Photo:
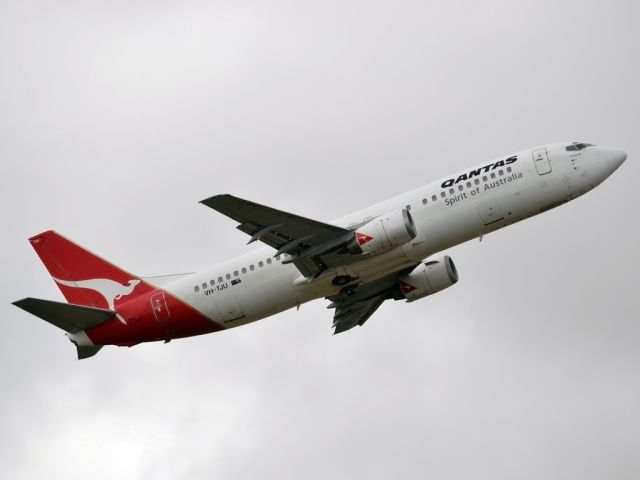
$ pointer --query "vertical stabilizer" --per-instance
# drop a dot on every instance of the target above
(83, 277)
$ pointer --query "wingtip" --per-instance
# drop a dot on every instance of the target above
(17, 303)
(213, 197)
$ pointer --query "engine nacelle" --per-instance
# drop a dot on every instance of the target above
(428, 278)
(383, 233)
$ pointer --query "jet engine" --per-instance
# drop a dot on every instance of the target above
(428, 278)
(383, 233)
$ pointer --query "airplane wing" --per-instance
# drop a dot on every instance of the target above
(313, 246)
(355, 313)
(354, 305)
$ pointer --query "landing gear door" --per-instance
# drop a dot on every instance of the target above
(541, 161)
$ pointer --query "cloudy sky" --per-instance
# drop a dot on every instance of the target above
(117, 117)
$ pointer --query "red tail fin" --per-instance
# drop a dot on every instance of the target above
(84, 278)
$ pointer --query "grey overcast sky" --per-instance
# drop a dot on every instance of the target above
(117, 117)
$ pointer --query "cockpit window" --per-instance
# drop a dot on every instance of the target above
(577, 146)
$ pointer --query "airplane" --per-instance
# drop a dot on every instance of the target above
(391, 250)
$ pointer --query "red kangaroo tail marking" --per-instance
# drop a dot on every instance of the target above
(83, 277)
(86, 279)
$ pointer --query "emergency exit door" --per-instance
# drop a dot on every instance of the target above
(541, 161)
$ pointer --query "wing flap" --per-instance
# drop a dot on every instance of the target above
(356, 313)
(355, 304)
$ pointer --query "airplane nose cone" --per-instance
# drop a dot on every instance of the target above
(615, 158)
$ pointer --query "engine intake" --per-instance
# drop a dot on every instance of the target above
(428, 278)
(383, 233)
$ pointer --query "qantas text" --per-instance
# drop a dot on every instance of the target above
(478, 171)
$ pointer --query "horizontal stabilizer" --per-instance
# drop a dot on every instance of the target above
(70, 318)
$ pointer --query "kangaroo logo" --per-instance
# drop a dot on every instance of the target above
(363, 238)
(109, 289)
(407, 288)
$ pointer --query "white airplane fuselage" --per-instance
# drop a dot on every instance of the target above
(357, 261)
(472, 205)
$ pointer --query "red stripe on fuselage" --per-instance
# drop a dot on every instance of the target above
(143, 325)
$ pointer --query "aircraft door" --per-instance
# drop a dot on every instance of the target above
(541, 161)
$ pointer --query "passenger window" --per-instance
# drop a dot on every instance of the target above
(261, 264)
(196, 288)
(424, 201)
(434, 198)
(277, 258)
(501, 172)
(468, 184)
(509, 169)
(244, 270)
(451, 191)
(493, 175)
(251, 267)
(220, 280)
(408, 207)
(484, 178)
(204, 285)
(228, 275)
(476, 181)
(212, 283)
(460, 187)
(236, 273)
(442, 194)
